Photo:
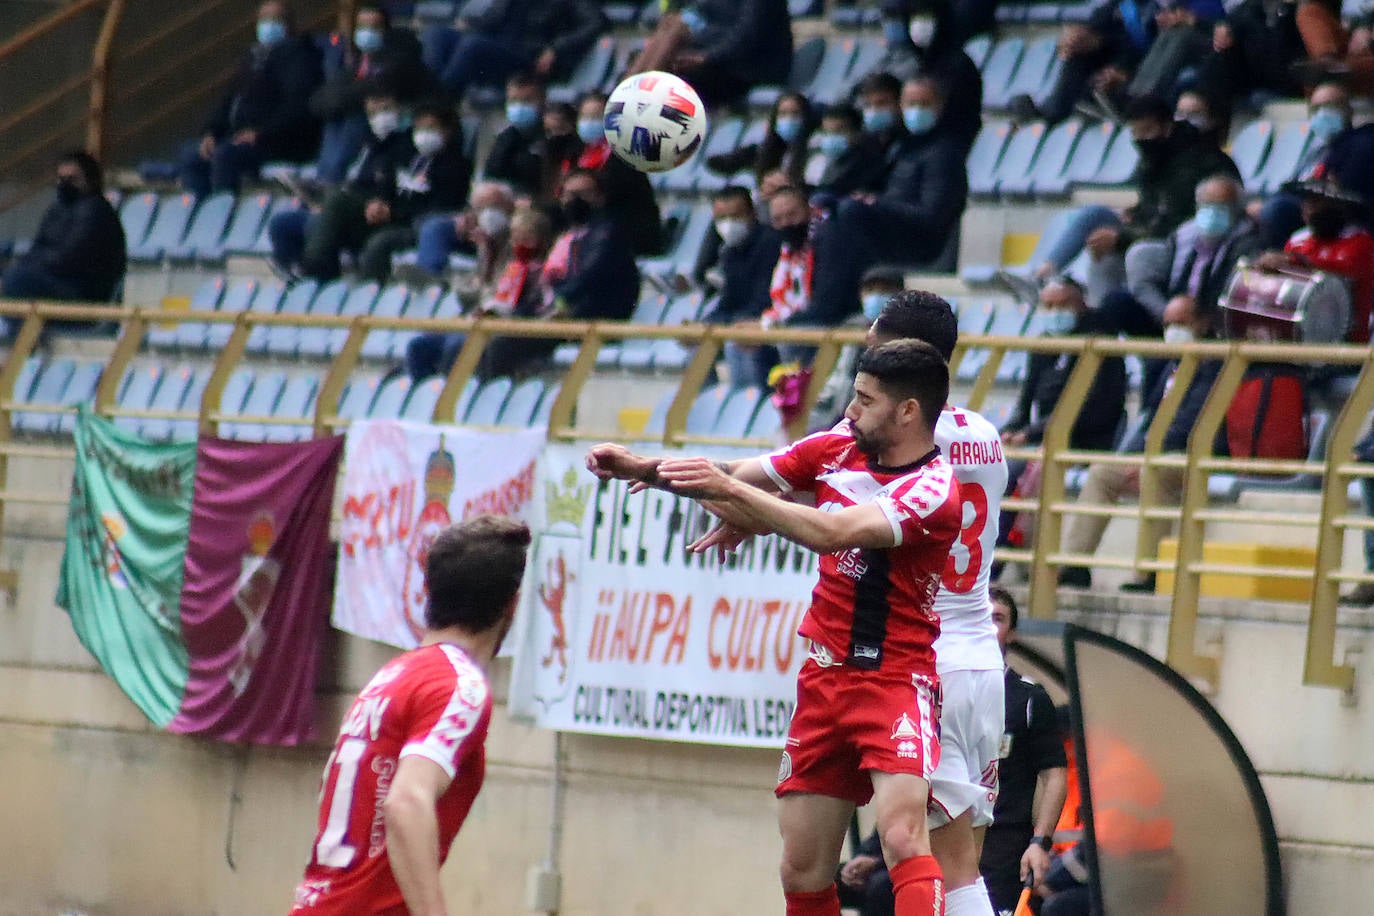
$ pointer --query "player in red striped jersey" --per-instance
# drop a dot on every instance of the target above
(867, 708)
(410, 757)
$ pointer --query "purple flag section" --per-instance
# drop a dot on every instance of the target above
(256, 595)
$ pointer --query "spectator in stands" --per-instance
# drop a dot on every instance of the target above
(851, 161)
(863, 882)
(1032, 777)
(492, 41)
(1333, 242)
(1209, 115)
(1099, 55)
(1109, 484)
(723, 48)
(1182, 45)
(748, 254)
(1253, 50)
(312, 243)
(516, 155)
(629, 196)
(1362, 595)
(923, 39)
(809, 287)
(880, 101)
(913, 221)
(783, 148)
(560, 148)
(483, 230)
(1338, 151)
(377, 55)
(1334, 52)
(79, 253)
(264, 116)
(1065, 312)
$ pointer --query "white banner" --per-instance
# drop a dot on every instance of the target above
(403, 483)
(622, 632)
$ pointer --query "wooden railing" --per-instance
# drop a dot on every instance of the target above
(1051, 506)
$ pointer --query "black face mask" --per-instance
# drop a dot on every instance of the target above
(67, 191)
(1153, 149)
(1327, 222)
(794, 236)
(578, 211)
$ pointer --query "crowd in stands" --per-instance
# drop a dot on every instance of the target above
(813, 217)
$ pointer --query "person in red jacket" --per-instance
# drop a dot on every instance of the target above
(1332, 241)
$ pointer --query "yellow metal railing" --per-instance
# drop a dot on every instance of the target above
(1051, 507)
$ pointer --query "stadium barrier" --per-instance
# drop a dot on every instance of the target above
(1332, 472)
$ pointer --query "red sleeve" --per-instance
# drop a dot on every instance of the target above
(444, 713)
(796, 467)
(925, 508)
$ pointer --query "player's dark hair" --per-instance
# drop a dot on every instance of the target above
(473, 571)
(1001, 596)
(882, 84)
(918, 314)
(910, 369)
(734, 192)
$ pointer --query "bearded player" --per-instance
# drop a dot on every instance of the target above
(866, 719)
(411, 753)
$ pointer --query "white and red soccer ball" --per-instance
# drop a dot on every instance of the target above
(655, 121)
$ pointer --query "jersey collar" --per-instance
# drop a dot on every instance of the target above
(919, 463)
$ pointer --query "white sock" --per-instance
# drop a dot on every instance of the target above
(969, 900)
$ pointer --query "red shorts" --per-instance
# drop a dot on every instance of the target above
(848, 722)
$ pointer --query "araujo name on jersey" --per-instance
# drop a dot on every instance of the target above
(986, 452)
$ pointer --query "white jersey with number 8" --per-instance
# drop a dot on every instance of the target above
(968, 639)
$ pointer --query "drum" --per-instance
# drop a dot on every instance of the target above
(1293, 305)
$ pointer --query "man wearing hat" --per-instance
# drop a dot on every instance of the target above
(1332, 241)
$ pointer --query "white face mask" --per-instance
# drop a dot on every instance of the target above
(922, 31)
(428, 142)
(384, 123)
(493, 221)
(1058, 322)
(731, 231)
(1179, 334)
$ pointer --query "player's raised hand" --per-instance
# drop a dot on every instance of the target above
(723, 536)
(612, 461)
(699, 478)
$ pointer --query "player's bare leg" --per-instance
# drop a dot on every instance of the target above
(813, 829)
(900, 802)
(958, 846)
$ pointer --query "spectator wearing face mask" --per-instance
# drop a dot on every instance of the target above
(923, 39)
(630, 199)
(264, 116)
(784, 145)
(483, 230)
(1111, 484)
(880, 106)
(1253, 50)
(850, 162)
(807, 287)
(78, 254)
(590, 273)
(1209, 115)
(723, 48)
(1331, 241)
(1339, 152)
(310, 244)
(375, 55)
(747, 254)
(516, 155)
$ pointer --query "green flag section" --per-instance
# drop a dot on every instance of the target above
(121, 576)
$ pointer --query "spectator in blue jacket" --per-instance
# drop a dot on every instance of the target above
(748, 253)
(723, 48)
(492, 40)
(264, 116)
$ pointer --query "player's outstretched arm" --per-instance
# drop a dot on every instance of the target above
(744, 506)
(412, 833)
(613, 461)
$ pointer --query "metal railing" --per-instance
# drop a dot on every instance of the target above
(1051, 507)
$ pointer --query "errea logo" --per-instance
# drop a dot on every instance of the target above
(908, 749)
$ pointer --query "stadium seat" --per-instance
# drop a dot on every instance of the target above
(737, 413)
(828, 80)
(261, 402)
(429, 303)
(391, 398)
(977, 48)
(681, 257)
(357, 397)
(1249, 150)
(487, 404)
(1011, 319)
(171, 394)
(80, 390)
(638, 353)
(1289, 146)
(701, 419)
(168, 228)
(807, 59)
(235, 393)
(724, 138)
(540, 418)
(331, 300)
(670, 355)
(521, 405)
(189, 427)
(1088, 153)
(239, 296)
(1118, 165)
(767, 422)
(244, 228)
(205, 299)
(1048, 176)
(1019, 158)
(1038, 70)
(985, 155)
(136, 216)
(262, 244)
(297, 401)
(282, 340)
(658, 417)
(868, 54)
(46, 389)
(205, 236)
(423, 396)
(24, 383)
(137, 391)
(589, 73)
(1000, 70)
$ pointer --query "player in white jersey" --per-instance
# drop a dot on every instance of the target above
(967, 656)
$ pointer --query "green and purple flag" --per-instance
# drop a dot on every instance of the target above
(198, 573)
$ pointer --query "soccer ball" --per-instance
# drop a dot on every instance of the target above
(655, 121)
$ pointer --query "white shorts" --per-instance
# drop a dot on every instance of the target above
(972, 720)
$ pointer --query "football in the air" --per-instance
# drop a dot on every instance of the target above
(655, 121)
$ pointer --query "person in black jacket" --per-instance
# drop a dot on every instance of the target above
(630, 198)
(783, 148)
(264, 116)
(924, 40)
(78, 254)
(312, 243)
(863, 883)
(516, 156)
(1253, 49)
(723, 48)
(853, 160)
(492, 40)
(748, 253)
(377, 55)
